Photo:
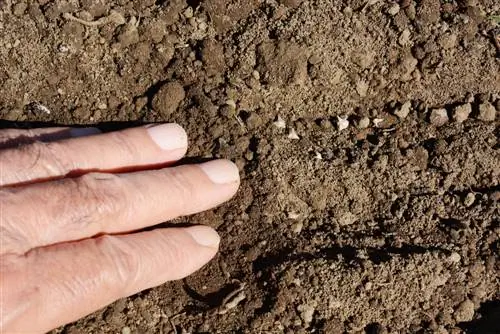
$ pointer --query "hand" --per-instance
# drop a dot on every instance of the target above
(67, 246)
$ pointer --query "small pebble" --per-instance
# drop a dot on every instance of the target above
(342, 123)
(297, 227)
(306, 313)
(362, 88)
(439, 117)
(256, 75)
(454, 257)
(487, 112)
(464, 311)
(116, 17)
(202, 26)
(404, 38)
(394, 9)
(188, 13)
(126, 330)
(280, 123)
(293, 134)
(404, 110)
(469, 199)
(461, 113)
(231, 104)
(364, 123)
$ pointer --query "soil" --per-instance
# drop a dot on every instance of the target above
(366, 132)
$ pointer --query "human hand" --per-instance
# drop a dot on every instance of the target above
(67, 218)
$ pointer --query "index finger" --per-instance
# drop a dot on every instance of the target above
(115, 151)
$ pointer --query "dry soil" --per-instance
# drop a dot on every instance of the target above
(366, 132)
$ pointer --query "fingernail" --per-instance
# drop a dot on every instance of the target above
(83, 132)
(221, 171)
(168, 136)
(204, 235)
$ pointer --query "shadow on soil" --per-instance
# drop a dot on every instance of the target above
(488, 323)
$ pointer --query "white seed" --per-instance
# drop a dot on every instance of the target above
(280, 123)
(293, 134)
(342, 122)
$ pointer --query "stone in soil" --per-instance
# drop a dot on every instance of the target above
(364, 123)
(465, 311)
(404, 110)
(439, 117)
(487, 112)
(461, 113)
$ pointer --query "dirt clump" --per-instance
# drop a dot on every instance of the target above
(167, 99)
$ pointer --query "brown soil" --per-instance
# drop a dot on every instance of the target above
(390, 225)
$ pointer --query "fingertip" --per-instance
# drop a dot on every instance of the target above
(204, 236)
(221, 171)
(169, 137)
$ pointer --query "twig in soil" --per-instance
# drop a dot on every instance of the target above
(172, 318)
(496, 41)
(232, 299)
(240, 122)
(113, 16)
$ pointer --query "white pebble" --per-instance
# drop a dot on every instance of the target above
(364, 123)
(454, 257)
(404, 110)
(297, 227)
(394, 9)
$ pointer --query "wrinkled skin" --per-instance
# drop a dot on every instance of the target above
(71, 203)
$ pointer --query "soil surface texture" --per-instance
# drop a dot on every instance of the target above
(366, 132)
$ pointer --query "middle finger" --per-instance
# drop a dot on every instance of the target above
(73, 209)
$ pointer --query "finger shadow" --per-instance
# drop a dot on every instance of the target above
(103, 126)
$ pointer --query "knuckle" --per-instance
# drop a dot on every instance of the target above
(122, 142)
(37, 159)
(124, 259)
(177, 255)
(101, 197)
(183, 188)
(12, 236)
